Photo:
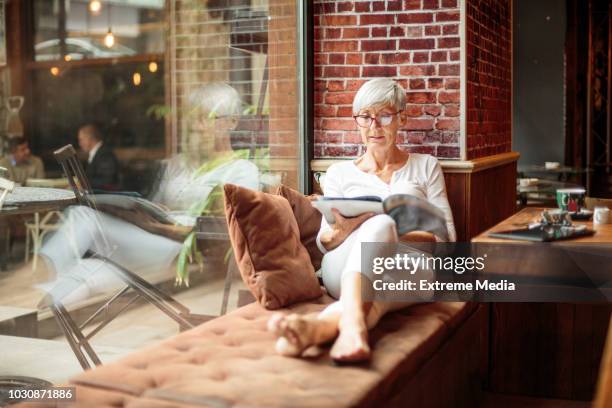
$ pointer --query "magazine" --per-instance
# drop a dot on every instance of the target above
(410, 213)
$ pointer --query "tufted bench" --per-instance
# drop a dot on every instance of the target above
(427, 355)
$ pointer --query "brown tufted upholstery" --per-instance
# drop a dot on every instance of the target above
(230, 361)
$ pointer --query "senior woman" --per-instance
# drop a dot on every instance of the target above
(378, 110)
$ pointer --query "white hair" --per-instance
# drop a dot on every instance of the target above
(216, 98)
(380, 92)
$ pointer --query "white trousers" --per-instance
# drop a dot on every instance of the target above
(126, 244)
(346, 259)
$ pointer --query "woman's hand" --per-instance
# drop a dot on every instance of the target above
(341, 229)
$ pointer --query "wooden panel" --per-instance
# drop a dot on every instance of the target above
(492, 197)
(457, 191)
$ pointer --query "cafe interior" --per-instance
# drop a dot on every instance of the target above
(159, 164)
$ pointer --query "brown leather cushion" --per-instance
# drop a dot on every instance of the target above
(266, 241)
(308, 220)
(230, 361)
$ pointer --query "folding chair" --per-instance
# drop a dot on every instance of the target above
(135, 285)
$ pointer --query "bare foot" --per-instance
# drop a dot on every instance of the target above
(351, 345)
(296, 332)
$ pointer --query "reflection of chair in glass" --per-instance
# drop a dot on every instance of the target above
(135, 285)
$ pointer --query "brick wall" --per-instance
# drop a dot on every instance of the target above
(489, 81)
(414, 41)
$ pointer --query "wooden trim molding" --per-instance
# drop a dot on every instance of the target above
(448, 166)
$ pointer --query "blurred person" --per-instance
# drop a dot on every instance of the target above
(102, 167)
(184, 190)
(21, 163)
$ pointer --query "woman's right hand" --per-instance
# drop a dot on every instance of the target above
(341, 229)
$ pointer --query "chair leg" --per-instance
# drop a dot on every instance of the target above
(75, 337)
(27, 245)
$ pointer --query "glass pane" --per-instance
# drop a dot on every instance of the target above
(197, 94)
(76, 30)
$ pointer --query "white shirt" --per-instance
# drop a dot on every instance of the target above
(92, 152)
(181, 186)
(422, 172)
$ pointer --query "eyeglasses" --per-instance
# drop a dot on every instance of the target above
(365, 121)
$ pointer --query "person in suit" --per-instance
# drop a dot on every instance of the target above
(21, 164)
(102, 167)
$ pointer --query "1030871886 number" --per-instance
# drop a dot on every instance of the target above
(52, 394)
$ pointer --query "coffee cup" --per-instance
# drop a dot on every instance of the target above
(571, 199)
(601, 215)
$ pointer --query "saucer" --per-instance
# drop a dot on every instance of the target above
(582, 215)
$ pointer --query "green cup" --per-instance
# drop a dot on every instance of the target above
(571, 199)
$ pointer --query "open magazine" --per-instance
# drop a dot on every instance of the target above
(410, 213)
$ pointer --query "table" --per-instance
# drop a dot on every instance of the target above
(30, 200)
(547, 350)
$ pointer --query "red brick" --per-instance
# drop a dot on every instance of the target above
(324, 110)
(362, 6)
(414, 110)
(422, 149)
(451, 110)
(397, 58)
(439, 56)
(414, 137)
(421, 97)
(378, 6)
(334, 86)
(419, 124)
(449, 42)
(353, 59)
(414, 18)
(449, 3)
(452, 83)
(417, 83)
(454, 55)
(379, 32)
(378, 45)
(448, 97)
(417, 44)
(337, 124)
(420, 57)
(336, 59)
(355, 33)
(417, 70)
(324, 8)
(352, 137)
(447, 124)
(338, 20)
(339, 98)
(340, 151)
(451, 29)
(340, 72)
(412, 4)
(344, 6)
(435, 83)
(332, 33)
(446, 69)
(432, 110)
(394, 5)
(379, 71)
(431, 4)
(396, 31)
(447, 16)
(346, 46)
(368, 19)
(433, 30)
(414, 31)
(371, 58)
(448, 152)
(354, 84)
(320, 59)
(345, 111)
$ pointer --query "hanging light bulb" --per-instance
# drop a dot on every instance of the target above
(136, 78)
(95, 6)
(109, 38)
(54, 71)
(153, 66)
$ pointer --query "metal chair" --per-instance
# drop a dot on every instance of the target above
(136, 286)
